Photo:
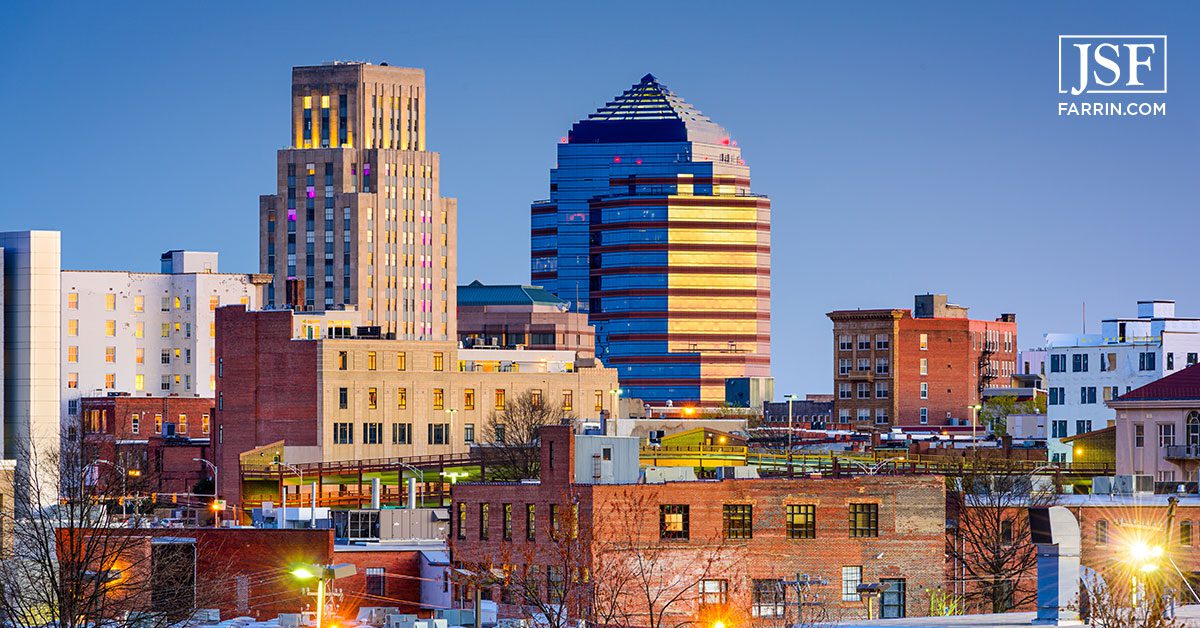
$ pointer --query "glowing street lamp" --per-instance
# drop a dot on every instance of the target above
(321, 573)
(1143, 559)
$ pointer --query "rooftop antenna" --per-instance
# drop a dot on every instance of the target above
(1085, 318)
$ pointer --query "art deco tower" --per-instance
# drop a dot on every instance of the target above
(652, 229)
(357, 218)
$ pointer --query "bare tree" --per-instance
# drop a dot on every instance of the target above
(988, 538)
(652, 579)
(510, 436)
(1110, 605)
(74, 562)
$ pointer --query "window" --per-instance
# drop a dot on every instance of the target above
(924, 416)
(376, 581)
(139, 355)
(1185, 533)
(438, 360)
(881, 390)
(844, 366)
(864, 520)
(1079, 363)
(1006, 533)
(110, 380)
(864, 364)
(535, 396)
(372, 433)
(72, 300)
(139, 330)
(881, 416)
(1083, 426)
(139, 382)
(801, 521)
(1058, 396)
(714, 592)
(135, 423)
(568, 400)
(1102, 532)
(1087, 394)
(1058, 429)
(110, 302)
(343, 433)
(882, 366)
(499, 405)
(768, 600)
(461, 521)
(1058, 363)
(1146, 361)
(72, 380)
(924, 342)
(401, 398)
(343, 360)
(530, 522)
(343, 398)
(844, 391)
(372, 398)
(73, 327)
(469, 399)
(483, 521)
(673, 521)
(371, 361)
(851, 578)
(72, 354)
(507, 521)
(1170, 361)
(1111, 392)
(110, 329)
(401, 361)
(738, 521)
(864, 390)
(439, 433)
(844, 343)
(864, 342)
(599, 401)
(469, 433)
(924, 366)
(158, 424)
(439, 399)
(1139, 435)
(166, 330)
(924, 390)
(882, 342)
(183, 424)
(401, 433)
(1191, 358)
(1166, 434)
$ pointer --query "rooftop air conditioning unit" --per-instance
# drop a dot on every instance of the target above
(1102, 485)
(1130, 484)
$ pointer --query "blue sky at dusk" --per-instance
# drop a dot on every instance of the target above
(906, 147)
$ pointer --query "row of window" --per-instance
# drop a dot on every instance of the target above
(882, 390)
(167, 382)
(737, 521)
(438, 398)
(1080, 362)
(96, 422)
(846, 342)
(402, 433)
(139, 302)
(1183, 538)
(1087, 394)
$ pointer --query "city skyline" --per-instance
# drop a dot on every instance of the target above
(861, 144)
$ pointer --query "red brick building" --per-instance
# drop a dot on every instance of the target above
(156, 439)
(246, 571)
(728, 546)
(925, 366)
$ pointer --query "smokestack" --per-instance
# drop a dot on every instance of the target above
(412, 493)
(375, 488)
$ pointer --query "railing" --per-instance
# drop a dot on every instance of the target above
(437, 461)
(1182, 452)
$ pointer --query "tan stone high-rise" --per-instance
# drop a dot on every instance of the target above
(357, 219)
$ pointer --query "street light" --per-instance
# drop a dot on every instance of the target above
(216, 513)
(975, 424)
(790, 399)
(125, 473)
(323, 573)
(1143, 558)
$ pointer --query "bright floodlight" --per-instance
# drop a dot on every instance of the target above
(303, 573)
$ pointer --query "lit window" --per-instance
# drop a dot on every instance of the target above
(73, 327)
(139, 303)
(72, 354)
(110, 302)
(673, 521)
(924, 342)
(72, 300)
(110, 329)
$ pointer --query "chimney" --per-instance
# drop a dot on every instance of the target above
(557, 454)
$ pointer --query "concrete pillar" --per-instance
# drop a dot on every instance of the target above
(412, 493)
(376, 487)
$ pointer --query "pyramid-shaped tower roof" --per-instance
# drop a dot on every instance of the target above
(647, 112)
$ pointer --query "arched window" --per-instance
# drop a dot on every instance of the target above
(1193, 429)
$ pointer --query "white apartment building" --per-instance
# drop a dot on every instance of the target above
(1083, 372)
(146, 334)
(29, 401)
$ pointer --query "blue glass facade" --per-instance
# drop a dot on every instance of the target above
(607, 242)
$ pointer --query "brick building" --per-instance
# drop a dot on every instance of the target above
(154, 439)
(343, 394)
(728, 545)
(925, 366)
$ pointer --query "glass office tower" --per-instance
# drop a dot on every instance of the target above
(652, 230)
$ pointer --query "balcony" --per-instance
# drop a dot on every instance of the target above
(1182, 452)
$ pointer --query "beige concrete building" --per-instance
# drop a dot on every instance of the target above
(331, 391)
(357, 217)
